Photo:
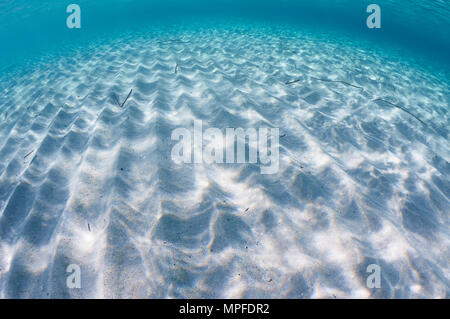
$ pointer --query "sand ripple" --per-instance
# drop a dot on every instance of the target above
(360, 181)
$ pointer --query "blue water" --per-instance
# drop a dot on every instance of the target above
(364, 165)
(416, 28)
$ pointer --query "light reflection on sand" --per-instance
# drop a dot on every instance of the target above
(359, 182)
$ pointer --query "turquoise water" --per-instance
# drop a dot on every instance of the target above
(412, 28)
(363, 174)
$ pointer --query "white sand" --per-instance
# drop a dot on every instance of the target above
(360, 182)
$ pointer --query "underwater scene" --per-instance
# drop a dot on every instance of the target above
(225, 149)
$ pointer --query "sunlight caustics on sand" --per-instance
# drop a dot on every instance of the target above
(86, 180)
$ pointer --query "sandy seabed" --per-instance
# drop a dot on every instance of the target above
(361, 181)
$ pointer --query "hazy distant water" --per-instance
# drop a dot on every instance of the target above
(418, 28)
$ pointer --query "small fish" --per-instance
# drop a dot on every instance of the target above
(28, 154)
(401, 108)
(337, 81)
(292, 82)
(129, 94)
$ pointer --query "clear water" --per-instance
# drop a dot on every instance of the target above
(419, 27)
(364, 153)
